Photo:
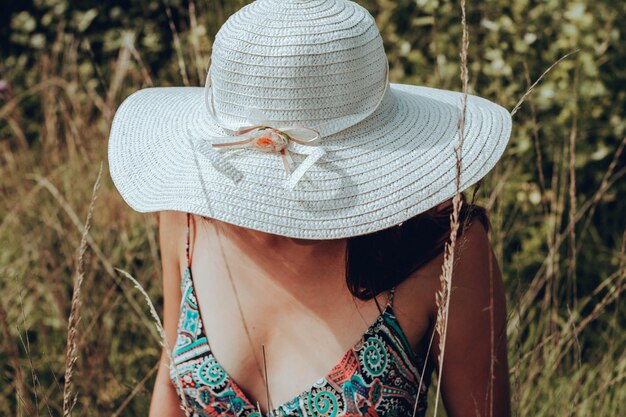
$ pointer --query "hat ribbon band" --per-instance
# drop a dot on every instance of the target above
(266, 139)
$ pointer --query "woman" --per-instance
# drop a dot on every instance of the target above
(304, 206)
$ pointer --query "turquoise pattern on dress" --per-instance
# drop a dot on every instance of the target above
(378, 377)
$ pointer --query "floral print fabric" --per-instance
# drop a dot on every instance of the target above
(379, 376)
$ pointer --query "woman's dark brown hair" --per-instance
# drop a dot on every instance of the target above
(378, 261)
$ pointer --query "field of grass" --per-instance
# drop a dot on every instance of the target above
(557, 199)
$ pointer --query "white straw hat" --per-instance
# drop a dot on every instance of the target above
(298, 131)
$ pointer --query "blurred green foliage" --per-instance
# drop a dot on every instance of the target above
(66, 65)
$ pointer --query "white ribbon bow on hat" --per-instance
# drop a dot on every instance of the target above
(283, 141)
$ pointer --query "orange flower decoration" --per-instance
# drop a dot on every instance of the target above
(270, 140)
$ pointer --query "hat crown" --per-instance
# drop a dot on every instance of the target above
(320, 64)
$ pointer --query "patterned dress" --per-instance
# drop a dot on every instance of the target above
(379, 376)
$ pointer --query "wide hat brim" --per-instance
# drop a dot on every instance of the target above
(397, 163)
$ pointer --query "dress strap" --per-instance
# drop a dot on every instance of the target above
(392, 292)
(187, 251)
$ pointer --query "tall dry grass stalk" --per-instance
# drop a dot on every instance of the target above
(69, 400)
(442, 296)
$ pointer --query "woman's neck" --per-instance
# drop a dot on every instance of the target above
(283, 260)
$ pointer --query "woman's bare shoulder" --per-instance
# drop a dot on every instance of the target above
(172, 235)
(474, 266)
(172, 219)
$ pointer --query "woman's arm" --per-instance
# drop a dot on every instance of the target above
(172, 225)
(475, 377)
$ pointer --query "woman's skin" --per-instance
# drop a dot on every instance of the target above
(296, 303)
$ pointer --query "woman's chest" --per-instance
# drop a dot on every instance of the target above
(292, 342)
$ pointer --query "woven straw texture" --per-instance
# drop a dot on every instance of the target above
(320, 64)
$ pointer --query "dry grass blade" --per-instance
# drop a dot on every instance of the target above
(535, 130)
(601, 192)
(135, 391)
(14, 362)
(532, 87)
(145, 71)
(177, 45)
(442, 296)
(422, 373)
(74, 319)
(121, 68)
(199, 60)
(267, 382)
(33, 371)
(571, 270)
(159, 326)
